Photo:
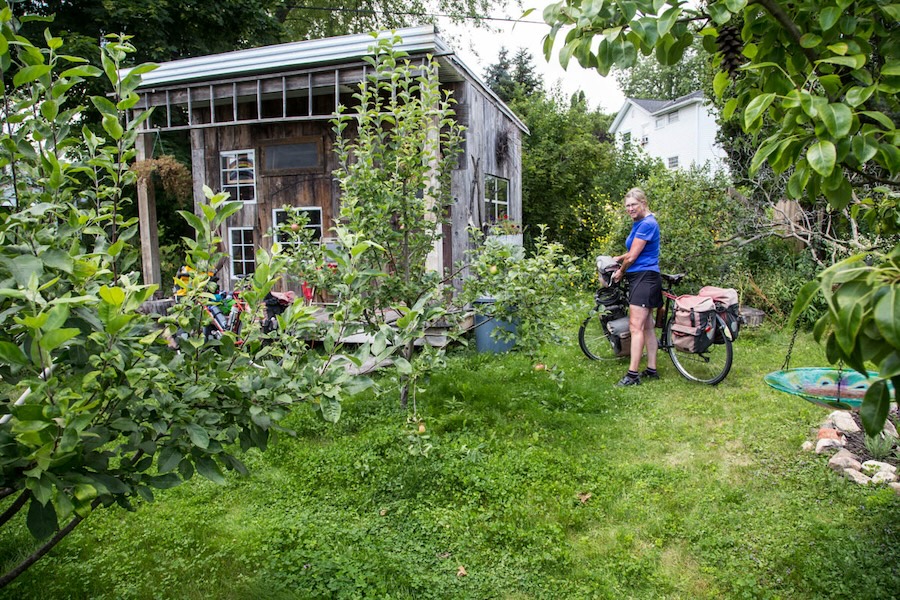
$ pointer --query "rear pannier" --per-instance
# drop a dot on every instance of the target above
(694, 324)
(728, 307)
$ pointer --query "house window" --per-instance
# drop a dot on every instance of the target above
(673, 117)
(626, 137)
(496, 198)
(242, 251)
(660, 122)
(239, 175)
(672, 162)
(300, 155)
(314, 222)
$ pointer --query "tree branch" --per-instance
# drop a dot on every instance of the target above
(15, 507)
(785, 21)
(40, 552)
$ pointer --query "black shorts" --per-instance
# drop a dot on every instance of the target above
(644, 289)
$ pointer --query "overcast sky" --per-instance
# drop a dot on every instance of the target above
(479, 48)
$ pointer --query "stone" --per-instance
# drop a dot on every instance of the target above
(895, 486)
(828, 434)
(856, 477)
(844, 460)
(883, 477)
(843, 421)
(889, 428)
(823, 446)
(808, 446)
(874, 466)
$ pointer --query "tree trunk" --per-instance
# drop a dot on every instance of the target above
(15, 507)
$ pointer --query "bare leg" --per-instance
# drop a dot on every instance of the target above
(638, 316)
(650, 341)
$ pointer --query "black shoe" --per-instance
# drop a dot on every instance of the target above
(628, 381)
(645, 374)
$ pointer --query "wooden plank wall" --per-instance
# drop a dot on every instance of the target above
(309, 188)
(485, 125)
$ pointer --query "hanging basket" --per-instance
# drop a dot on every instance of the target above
(836, 389)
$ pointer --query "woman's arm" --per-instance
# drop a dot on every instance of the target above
(627, 259)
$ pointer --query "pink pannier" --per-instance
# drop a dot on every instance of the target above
(694, 325)
(728, 307)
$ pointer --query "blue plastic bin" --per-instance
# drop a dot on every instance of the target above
(485, 325)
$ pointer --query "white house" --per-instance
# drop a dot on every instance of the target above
(680, 132)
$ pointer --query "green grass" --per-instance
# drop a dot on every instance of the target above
(695, 492)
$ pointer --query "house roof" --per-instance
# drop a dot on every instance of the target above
(654, 107)
(311, 53)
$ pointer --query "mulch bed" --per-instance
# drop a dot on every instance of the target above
(856, 442)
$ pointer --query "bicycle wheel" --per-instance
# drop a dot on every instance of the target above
(595, 341)
(710, 366)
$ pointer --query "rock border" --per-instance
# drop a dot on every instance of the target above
(831, 438)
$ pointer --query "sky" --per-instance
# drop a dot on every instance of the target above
(479, 48)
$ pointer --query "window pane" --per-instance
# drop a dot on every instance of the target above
(292, 156)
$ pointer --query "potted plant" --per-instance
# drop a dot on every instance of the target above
(506, 231)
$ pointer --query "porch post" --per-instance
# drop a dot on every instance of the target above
(147, 217)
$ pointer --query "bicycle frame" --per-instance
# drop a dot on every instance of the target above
(599, 339)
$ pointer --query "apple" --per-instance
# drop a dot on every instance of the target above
(540, 367)
(492, 269)
(295, 227)
(421, 427)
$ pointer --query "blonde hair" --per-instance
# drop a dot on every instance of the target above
(638, 194)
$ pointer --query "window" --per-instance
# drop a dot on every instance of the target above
(314, 222)
(673, 117)
(239, 175)
(672, 162)
(660, 122)
(496, 198)
(242, 251)
(300, 155)
(626, 137)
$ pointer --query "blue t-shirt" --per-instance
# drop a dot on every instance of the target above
(646, 229)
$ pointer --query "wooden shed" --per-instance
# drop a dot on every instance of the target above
(259, 123)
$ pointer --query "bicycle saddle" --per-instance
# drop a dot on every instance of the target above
(673, 279)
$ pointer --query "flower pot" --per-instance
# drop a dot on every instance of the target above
(512, 239)
(484, 327)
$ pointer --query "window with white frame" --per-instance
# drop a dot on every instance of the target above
(672, 162)
(238, 170)
(626, 137)
(242, 251)
(496, 198)
(660, 122)
(313, 216)
(673, 117)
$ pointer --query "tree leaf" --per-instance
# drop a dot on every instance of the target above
(804, 299)
(199, 436)
(821, 157)
(875, 407)
(887, 316)
(837, 119)
(54, 339)
(207, 467)
(12, 354)
(828, 17)
(29, 74)
(41, 520)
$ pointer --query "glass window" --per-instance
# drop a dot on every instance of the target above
(496, 198)
(239, 175)
(672, 162)
(242, 251)
(626, 137)
(660, 122)
(314, 221)
(673, 117)
(299, 156)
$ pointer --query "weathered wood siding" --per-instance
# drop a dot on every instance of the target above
(493, 146)
(308, 188)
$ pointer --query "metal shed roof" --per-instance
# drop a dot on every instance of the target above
(311, 53)
(289, 55)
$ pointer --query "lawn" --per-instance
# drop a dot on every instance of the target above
(518, 488)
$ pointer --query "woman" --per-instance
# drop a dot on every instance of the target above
(640, 265)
